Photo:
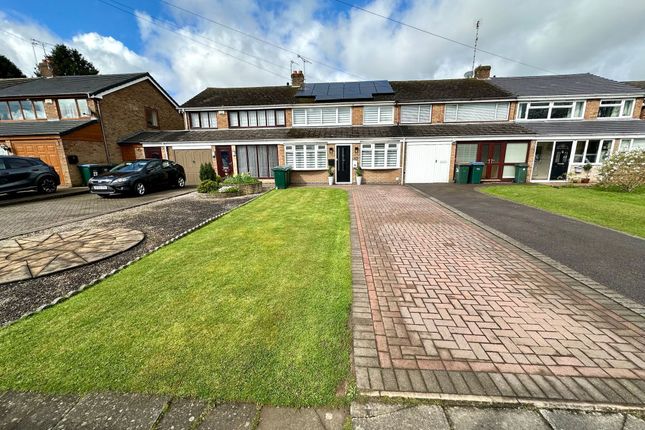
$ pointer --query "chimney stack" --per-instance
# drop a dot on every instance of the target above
(45, 69)
(482, 72)
(297, 78)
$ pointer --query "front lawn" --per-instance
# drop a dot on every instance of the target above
(617, 210)
(253, 307)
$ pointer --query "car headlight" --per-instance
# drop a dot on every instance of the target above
(120, 180)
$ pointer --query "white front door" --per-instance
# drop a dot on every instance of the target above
(427, 162)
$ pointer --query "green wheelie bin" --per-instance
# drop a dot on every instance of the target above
(282, 176)
(476, 169)
(461, 173)
(88, 171)
(520, 173)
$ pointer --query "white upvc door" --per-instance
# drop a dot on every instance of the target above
(427, 162)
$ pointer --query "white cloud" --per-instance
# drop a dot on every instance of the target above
(565, 37)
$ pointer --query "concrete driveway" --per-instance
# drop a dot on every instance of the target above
(606, 256)
(39, 215)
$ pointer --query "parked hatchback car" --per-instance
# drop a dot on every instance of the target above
(27, 173)
(138, 177)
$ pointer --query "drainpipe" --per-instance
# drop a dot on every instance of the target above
(403, 149)
(105, 145)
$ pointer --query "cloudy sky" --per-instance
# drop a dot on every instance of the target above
(192, 44)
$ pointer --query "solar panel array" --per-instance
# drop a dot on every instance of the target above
(364, 90)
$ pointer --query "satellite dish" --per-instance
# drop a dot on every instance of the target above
(468, 74)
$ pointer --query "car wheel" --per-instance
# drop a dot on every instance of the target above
(181, 182)
(139, 189)
(47, 185)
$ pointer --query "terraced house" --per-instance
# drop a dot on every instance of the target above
(406, 131)
(69, 120)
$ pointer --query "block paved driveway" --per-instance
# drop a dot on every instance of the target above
(34, 216)
(442, 306)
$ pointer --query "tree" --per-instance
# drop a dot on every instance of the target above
(8, 69)
(66, 61)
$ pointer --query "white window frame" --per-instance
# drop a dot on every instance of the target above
(396, 146)
(497, 104)
(290, 152)
(307, 110)
(550, 107)
(597, 161)
(620, 103)
(211, 116)
(379, 108)
(630, 143)
(418, 108)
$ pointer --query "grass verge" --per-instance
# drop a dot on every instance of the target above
(253, 307)
(618, 210)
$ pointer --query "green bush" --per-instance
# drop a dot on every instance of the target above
(241, 179)
(208, 186)
(207, 173)
(623, 171)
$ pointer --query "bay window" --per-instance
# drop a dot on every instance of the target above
(474, 112)
(306, 157)
(616, 108)
(592, 151)
(551, 110)
(416, 114)
(378, 115)
(380, 155)
(316, 116)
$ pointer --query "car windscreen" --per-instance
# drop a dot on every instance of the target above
(131, 166)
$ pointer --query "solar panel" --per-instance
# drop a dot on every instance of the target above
(345, 90)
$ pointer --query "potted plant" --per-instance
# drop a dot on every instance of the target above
(359, 175)
(587, 168)
(330, 175)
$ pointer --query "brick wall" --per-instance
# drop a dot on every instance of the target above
(512, 108)
(309, 176)
(438, 113)
(123, 113)
(530, 159)
(288, 117)
(51, 110)
(453, 158)
(591, 111)
(383, 176)
(357, 115)
(87, 152)
(638, 109)
(222, 120)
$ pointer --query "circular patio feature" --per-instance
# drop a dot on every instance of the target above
(40, 255)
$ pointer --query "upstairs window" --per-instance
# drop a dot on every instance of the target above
(152, 118)
(73, 108)
(317, 116)
(551, 110)
(616, 108)
(380, 155)
(22, 110)
(475, 112)
(306, 157)
(257, 118)
(416, 114)
(378, 115)
(203, 120)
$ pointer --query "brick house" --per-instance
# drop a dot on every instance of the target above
(69, 120)
(406, 131)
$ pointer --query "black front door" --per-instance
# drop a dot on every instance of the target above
(560, 165)
(343, 164)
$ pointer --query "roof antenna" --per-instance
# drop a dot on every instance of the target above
(304, 64)
(291, 65)
(475, 46)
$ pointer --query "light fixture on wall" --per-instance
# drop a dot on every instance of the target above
(356, 149)
(331, 150)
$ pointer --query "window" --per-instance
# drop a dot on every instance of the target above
(551, 110)
(22, 109)
(306, 157)
(378, 115)
(73, 108)
(380, 155)
(203, 119)
(592, 151)
(152, 118)
(416, 114)
(341, 115)
(257, 118)
(632, 144)
(466, 153)
(515, 153)
(257, 160)
(463, 112)
(616, 108)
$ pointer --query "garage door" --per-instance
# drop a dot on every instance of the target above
(190, 160)
(46, 151)
(427, 162)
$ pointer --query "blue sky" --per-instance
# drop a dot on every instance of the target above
(564, 37)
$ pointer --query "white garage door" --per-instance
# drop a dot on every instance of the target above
(427, 162)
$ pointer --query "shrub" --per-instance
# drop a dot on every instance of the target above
(624, 171)
(241, 179)
(359, 171)
(229, 189)
(207, 173)
(208, 186)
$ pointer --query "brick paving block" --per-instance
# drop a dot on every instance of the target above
(431, 382)
(549, 391)
(516, 385)
(375, 378)
(445, 382)
(561, 388)
(459, 383)
(362, 378)
(590, 389)
(389, 380)
(488, 385)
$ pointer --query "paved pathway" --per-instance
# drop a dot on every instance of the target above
(442, 307)
(611, 258)
(33, 256)
(35, 216)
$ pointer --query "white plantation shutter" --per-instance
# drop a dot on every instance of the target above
(344, 115)
(253, 119)
(244, 119)
(289, 156)
(379, 155)
(314, 116)
(300, 157)
(262, 118)
(329, 115)
(425, 113)
(473, 112)
(370, 115)
(367, 160)
(386, 114)
(392, 156)
(451, 113)
(280, 117)
(501, 114)
(299, 117)
(321, 157)
(416, 114)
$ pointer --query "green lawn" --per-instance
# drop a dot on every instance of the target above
(253, 307)
(617, 210)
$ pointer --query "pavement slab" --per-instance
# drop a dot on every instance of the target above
(230, 416)
(465, 418)
(567, 420)
(183, 414)
(634, 423)
(374, 416)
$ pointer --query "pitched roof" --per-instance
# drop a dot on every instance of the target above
(563, 85)
(607, 128)
(282, 133)
(68, 85)
(10, 82)
(42, 128)
(247, 96)
(637, 84)
(446, 90)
